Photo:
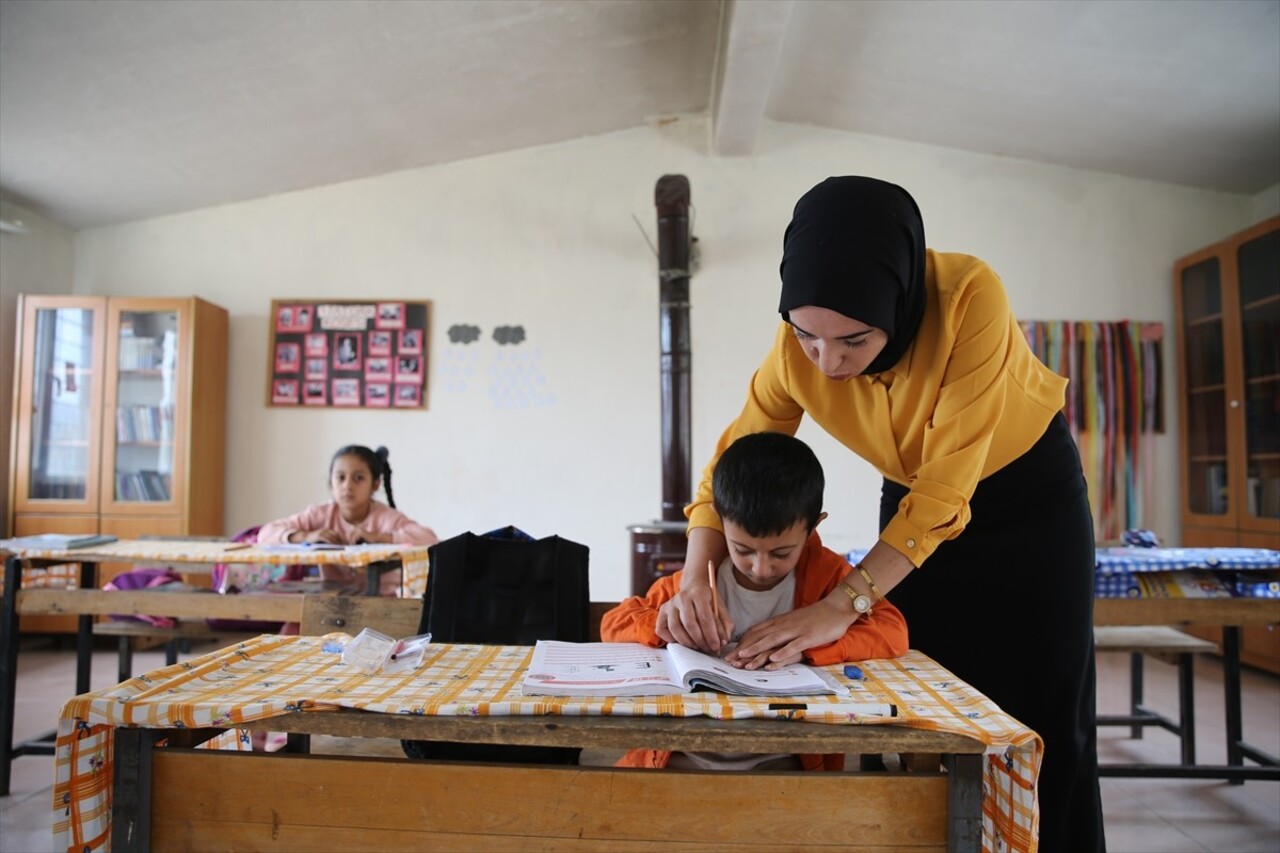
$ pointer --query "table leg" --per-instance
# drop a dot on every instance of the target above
(124, 657)
(373, 575)
(1135, 691)
(964, 802)
(8, 666)
(1231, 687)
(131, 789)
(84, 632)
(1186, 707)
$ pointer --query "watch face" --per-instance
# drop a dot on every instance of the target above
(862, 604)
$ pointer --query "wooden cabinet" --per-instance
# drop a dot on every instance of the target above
(119, 418)
(1227, 298)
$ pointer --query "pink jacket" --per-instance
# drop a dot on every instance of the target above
(327, 516)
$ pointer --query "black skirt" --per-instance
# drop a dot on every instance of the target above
(1008, 606)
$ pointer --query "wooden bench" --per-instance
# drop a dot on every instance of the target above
(1173, 647)
(395, 617)
(131, 633)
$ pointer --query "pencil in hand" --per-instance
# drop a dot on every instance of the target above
(715, 601)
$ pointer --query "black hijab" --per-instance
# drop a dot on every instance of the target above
(856, 246)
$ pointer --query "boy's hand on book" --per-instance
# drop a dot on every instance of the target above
(782, 640)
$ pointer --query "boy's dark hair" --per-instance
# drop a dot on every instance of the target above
(766, 482)
(379, 467)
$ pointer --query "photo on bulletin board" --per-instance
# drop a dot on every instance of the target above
(348, 353)
(315, 395)
(408, 395)
(287, 358)
(346, 392)
(285, 392)
(380, 343)
(317, 344)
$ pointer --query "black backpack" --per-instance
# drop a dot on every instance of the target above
(503, 588)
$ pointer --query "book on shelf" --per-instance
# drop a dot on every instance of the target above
(154, 485)
(1269, 497)
(59, 541)
(633, 669)
(1216, 488)
(1196, 583)
(144, 485)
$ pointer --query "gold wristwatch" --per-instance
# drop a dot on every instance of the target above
(861, 603)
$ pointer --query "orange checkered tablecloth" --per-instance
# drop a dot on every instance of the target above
(175, 551)
(180, 551)
(272, 675)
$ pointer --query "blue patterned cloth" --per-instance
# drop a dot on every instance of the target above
(1118, 568)
(1112, 560)
(1119, 585)
(1253, 586)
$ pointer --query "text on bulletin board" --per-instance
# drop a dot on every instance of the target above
(348, 354)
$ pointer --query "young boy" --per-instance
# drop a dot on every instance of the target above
(767, 490)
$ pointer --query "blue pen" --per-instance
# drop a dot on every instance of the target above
(854, 672)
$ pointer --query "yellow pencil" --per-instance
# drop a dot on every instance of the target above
(715, 602)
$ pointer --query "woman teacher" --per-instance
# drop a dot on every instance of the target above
(912, 359)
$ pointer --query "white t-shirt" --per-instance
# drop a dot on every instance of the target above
(746, 607)
(749, 607)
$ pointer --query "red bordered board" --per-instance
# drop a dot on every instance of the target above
(348, 354)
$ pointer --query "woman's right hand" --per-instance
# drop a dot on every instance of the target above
(688, 617)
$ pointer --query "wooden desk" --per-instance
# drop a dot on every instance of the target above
(88, 602)
(188, 799)
(184, 798)
(1231, 614)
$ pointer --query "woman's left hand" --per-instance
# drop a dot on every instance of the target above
(366, 537)
(782, 640)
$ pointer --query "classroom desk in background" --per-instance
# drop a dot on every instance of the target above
(192, 556)
(1231, 588)
(113, 784)
(1231, 614)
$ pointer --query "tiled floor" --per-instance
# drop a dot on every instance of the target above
(1142, 815)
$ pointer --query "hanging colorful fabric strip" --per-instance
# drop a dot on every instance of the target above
(1112, 404)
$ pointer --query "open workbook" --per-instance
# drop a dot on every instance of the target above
(634, 669)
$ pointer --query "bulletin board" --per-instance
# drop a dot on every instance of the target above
(348, 354)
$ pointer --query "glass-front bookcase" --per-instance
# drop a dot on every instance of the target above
(59, 392)
(144, 353)
(119, 420)
(1228, 309)
(1208, 485)
(1258, 263)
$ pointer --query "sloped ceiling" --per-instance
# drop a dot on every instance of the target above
(117, 111)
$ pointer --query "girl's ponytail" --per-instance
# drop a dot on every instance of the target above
(382, 453)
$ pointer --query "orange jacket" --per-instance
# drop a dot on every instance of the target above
(883, 634)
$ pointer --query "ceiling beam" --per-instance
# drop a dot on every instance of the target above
(751, 36)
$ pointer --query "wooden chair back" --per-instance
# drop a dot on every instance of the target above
(395, 617)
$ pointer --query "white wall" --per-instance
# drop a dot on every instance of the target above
(544, 238)
(38, 261)
(1266, 204)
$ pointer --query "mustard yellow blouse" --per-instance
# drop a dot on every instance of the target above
(965, 400)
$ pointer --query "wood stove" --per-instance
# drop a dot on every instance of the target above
(658, 547)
